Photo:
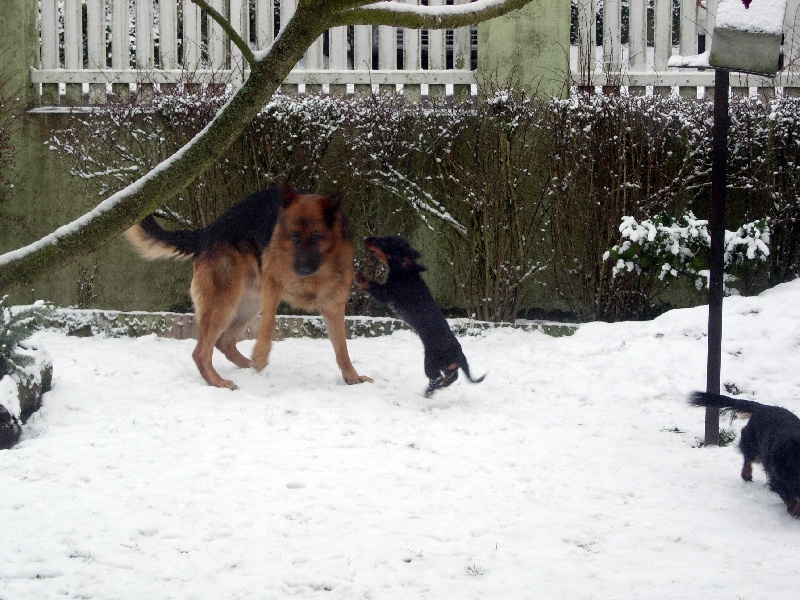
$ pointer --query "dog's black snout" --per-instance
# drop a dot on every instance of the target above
(307, 266)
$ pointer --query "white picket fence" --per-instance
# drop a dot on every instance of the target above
(125, 43)
(117, 46)
(641, 63)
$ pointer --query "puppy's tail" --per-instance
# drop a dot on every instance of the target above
(723, 402)
(465, 367)
(152, 241)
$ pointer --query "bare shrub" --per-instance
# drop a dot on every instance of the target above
(518, 195)
(616, 156)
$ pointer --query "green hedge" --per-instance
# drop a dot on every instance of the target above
(513, 200)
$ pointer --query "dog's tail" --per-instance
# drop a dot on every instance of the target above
(152, 241)
(723, 402)
(465, 367)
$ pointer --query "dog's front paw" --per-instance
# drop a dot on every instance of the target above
(355, 379)
(259, 362)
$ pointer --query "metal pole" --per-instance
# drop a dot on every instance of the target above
(719, 160)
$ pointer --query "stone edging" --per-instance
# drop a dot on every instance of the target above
(84, 323)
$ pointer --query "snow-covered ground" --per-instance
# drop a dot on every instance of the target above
(570, 472)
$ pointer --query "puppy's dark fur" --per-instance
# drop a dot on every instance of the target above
(771, 437)
(273, 245)
(410, 299)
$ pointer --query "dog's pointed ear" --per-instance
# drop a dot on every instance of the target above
(287, 193)
(332, 203)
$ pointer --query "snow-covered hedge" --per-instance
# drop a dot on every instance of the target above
(521, 197)
(674, 247)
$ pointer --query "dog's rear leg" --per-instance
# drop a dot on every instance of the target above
(333, 315)
(211, 325)
(749, 447)
(747, 470)
(249, 306)
(214, 312)
(450, 375)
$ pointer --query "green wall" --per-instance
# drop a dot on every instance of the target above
(529, 46)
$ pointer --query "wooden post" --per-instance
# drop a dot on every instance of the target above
(719, 160)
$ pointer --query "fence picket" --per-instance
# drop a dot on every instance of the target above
(587, 13)
(337, 43)
(96, 46)
(265, 24)
(192, 40)
(437, 58)
(462, 56)
(168, 34)
(120, 51)
(362, 55)
(216, 38)
(662, 39)
(637, 41)
(688, 38)
(412, 58)
(144, 35)
(73, 48)
(612, 41)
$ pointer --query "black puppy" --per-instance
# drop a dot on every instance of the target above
(771, 437)
(407, 295)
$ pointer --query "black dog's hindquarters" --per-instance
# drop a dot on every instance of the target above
(406, 293)
(771, 437)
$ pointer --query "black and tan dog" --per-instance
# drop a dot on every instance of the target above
(273, 245)
(771, 437)
(410, 299)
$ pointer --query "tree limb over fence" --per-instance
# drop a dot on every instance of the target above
(268, 70)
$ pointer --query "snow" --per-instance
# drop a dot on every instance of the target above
(570, 472)
(698, 61)
(763, 16)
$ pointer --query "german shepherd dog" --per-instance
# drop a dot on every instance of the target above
(273, 245)
(410, 299)
(771, 437)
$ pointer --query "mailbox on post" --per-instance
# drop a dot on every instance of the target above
(747, 36)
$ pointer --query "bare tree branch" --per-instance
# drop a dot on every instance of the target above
(228, 28)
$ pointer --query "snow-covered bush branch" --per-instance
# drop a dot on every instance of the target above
(676, 247)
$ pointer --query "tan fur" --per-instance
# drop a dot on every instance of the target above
(149, 248)
(326, 291)
(229, 289)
